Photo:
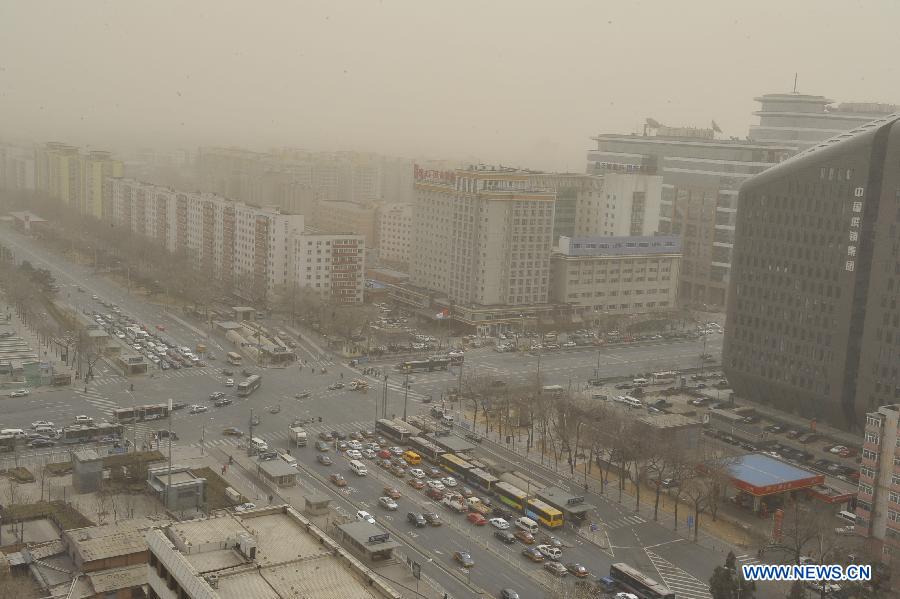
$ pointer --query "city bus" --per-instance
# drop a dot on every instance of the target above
(140, 413)
(426, 448)
(544, 513)
(249, 385)
(426, 365)
(454, 464)
(639, 583)
(511, 495)
(482, 479)
(396, 430)
(234, 359)
(88, 434)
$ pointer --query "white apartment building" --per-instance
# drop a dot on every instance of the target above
(17, 168)
(482, 236)
(395, 226)
(627, 205)
(251, 248)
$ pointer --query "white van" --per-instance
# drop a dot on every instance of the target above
(447, 419)
(15, 432)
(258, 444)
(633, 402)
(358, 468)
(527, 524)
(288, 459)
(848, 516)
(640, 382)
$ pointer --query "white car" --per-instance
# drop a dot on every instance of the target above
(82, 419)
(355, 445)
(244, 507)
(449, 481)
(137, 346)
(196, 409)
(19, 393)
(353, 454)
(42, 424)
(569, 344)
(499, 523)
(417, 473)
(229, 382)
(397, 451)
(436, 485)
(626, 596)
(364, 516)
(837, 449)
(387, 503)
(369, 454)
(550, 552)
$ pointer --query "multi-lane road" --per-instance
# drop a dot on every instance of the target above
(632, 537)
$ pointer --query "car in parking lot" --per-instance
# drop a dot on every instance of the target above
(533, 554)
(322, 446)
(42, 424)
(417, 473)
(417, 519)
(244, 507)
(464, 559)
(41, 442)
(323, 459)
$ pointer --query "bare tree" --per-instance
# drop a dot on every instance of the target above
(803, 527)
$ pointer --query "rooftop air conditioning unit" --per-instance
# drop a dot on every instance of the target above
(213, 580)
(248, 546)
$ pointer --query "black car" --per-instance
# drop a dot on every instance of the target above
(417, 519)
(499, 512)
(225, 401)
(41, 442)
(432, 518)
(505, 536)
(216, 395)
(179, 406)
(323, 459)
(267, 455)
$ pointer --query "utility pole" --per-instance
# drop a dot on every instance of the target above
(405, 395)
(384, 398)
(169, 482)
(250, 431)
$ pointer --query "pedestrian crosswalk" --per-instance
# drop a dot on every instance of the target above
(747, 559)
(683, 584)
(97, 400)
(154, 374)
(280, 437)
(625, 521)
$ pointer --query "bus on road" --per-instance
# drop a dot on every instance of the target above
(454, 464)
(249, 385)
(544, 513)
(482, 479)
(89, 434)
(396, 430)
(425, 447)
(511, 495)
(639, 583)
(234, 359)
(426, 365)
(140, 413)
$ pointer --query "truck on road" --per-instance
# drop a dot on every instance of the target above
(298, 436)
(455, 503)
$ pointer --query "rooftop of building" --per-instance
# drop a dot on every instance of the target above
(124, 537)
(293, 557)
(598, 245)
(761, 471)
(669, 421)
(27, 215)
(696, 141)
(369, 535)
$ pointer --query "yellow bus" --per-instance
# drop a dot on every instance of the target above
(544, 513)
(454, 464)
(511, 495)
(412, 458)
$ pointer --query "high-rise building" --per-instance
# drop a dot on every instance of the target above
(804, 120)
(482, 236)
(334, 216)
(252, 249)
(878, 496)
(813, 316)
(612, 276)
(700, 180)
(76, 180)
(16, 168)
(395, 233)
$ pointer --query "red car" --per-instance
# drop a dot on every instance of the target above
(392, 492)
(476, 519)
(384, 454)
(415, 483)
(435, 494)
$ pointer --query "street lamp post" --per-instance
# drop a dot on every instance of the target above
(405, 395)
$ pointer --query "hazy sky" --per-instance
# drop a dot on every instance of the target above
(522, 83)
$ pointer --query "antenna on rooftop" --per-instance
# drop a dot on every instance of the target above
(795, 83)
